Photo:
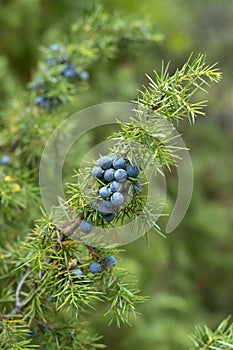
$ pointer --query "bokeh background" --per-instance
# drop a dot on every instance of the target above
(188, 276)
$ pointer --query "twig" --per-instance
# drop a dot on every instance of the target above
(42, 324)
(18, 304)
(69, 232)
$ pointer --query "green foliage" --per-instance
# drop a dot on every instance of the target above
(219, 339)
(40, 285)
(17, 194)
(48, 262)
(172, 95)
(189, 277)
(15, 335)
(74, 333)
(103, 32)
(49, 254)
(123, 299)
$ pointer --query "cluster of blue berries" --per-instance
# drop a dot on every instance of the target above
(59, 66)
(117, 178)
(95, 267)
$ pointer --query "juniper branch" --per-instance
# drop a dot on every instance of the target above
(49, 257)
(172, 95)
(219, 339)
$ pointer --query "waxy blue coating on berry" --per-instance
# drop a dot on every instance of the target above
(86, 226)
(108, 217)
(109, 174)
(115, 186)
(105, 162)
(84, 75)
(117, 198)
(105, 207)
(43, 101)
(119, 163)
(55, 47)
(95, 267)
(5, 160)
(110, 261)
(38, 100)
(97, 172)
(132, 171)
(105, 192)
(138, 187)
(75, 272)
(69, 71)
(120, 175)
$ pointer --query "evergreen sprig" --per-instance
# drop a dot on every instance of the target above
(122, 298)
(172, 95)
(43, 289)
(219, 339)
(60, 251)
(64, 68)
(48, 277)
(15, 335)
(26, 127)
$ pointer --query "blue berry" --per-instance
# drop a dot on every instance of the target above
(84, 75)
(55, 47)
(32, 333)
(105, 207)
(105, 162)
(117, 198)
(108, 217)
(69, 71)
(120, 175)
(105, 192)
(5, 160)
(109, 174)
(115, 186)
(38, 100)
(95, 267)
(138, 187)
(42, 101)
(76, 273)
(86, 226)
(110, 261)
(132, 171)
(97, 172)
(119, 163)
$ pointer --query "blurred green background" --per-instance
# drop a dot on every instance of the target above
(188, 276)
